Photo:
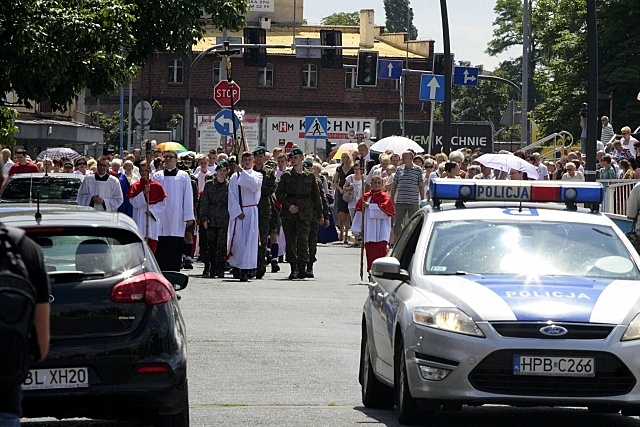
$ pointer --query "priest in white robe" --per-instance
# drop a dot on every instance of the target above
(243, 234)
(101, 190)
(177, 215)
(378, 211)
(147, 192)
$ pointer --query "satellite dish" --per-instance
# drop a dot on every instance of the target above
(352, 133)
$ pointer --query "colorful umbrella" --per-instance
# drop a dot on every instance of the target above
(58, 153)
(173, 146)
(348, 148)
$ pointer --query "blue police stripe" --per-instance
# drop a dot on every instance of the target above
(561, 299)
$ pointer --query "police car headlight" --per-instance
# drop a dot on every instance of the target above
(633, 330)
(446, 319)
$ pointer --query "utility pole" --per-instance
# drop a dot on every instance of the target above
(526, 43)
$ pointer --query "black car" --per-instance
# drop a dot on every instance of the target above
(118, 339)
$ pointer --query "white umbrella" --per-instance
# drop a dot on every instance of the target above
(506, 162)
(398, 144)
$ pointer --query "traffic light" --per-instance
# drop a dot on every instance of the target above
(255, 56)
(367, 68)
(331, 58)
(438, 64)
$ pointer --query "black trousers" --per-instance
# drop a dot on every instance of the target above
(169, 253)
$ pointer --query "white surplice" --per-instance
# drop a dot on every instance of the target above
(179, 203)
(377, 224)
(140, 215)
(243, 234)
(109, 190)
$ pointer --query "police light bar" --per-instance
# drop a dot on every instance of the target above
(517, 191)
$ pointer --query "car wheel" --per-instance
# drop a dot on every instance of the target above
(406, 405)
(181, 419)
(375, 394)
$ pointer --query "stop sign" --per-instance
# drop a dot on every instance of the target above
(222, 94)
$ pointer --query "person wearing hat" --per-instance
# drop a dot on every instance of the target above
(67, 167)
(298, 193)
(244, 195)
(264, 206)
(313, 231)
(213, 213)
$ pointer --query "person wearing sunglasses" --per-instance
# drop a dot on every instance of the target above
(101, 190)
(178, 215)
(80, 166)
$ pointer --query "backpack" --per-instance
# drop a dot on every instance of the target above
(17, 308)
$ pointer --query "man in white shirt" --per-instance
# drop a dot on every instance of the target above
(177, 216)
(101, 190)
(243, 234)
(6, 158)
(202, 171)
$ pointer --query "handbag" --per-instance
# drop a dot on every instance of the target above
(348, 196)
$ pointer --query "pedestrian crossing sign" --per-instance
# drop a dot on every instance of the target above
(315, 127)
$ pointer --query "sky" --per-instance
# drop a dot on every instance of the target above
(470, 24)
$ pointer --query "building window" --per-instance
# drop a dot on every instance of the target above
(266, 76)
(176, 72)
(350, 75)
(310, 75)
(219, 72)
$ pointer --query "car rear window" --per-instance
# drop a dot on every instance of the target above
(99, 251)
(528, 248)
(50, 187)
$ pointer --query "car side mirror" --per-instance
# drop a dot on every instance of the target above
(389, 268)
(177, 279)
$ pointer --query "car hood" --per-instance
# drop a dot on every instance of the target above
(540, 298)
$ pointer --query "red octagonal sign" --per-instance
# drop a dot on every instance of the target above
(222, 93)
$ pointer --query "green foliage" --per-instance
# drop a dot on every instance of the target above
(52, 49)
(342, 18)
(396, 18)
(110, 125)
(559, 58)
(8, 126)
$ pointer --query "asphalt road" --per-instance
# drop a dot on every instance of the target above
(275, 352)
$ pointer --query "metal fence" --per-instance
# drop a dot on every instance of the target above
(616, 194)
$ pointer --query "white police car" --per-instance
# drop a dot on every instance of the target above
(500, 299)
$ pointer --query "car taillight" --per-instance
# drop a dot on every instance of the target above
(152, 369)
(150, 288)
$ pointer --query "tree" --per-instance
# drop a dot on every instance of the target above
(53, 49)
(342, 18)
(396, 18)
(8, 126)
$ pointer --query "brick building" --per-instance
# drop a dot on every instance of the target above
(291, 86)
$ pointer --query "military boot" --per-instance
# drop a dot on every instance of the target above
(220, 266)
(207, 269)
(294, 272)
(274, 266)
(261, 270)
(302, 270)
(310, 270)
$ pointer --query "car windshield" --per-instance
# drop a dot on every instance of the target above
(98, 252)
(49, 187)
(527, 248)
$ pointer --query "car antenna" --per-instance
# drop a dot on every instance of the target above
(38, 214)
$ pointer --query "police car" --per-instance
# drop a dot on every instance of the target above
(495, 296)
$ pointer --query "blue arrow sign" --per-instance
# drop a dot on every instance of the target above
(465, 76)
(389, 69)
(224, 124)
(315, 127)
(432, 87)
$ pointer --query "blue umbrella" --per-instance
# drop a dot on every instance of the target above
(58, 153)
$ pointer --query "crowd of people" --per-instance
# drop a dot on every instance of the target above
(251, 212)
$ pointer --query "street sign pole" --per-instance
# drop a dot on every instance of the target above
(227, 53)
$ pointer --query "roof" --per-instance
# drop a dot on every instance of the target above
(23, 215)
(284, 36)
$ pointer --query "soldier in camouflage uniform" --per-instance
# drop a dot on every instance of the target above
(301, 202)
(264, 207)
(313, 231)
(214, 217)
